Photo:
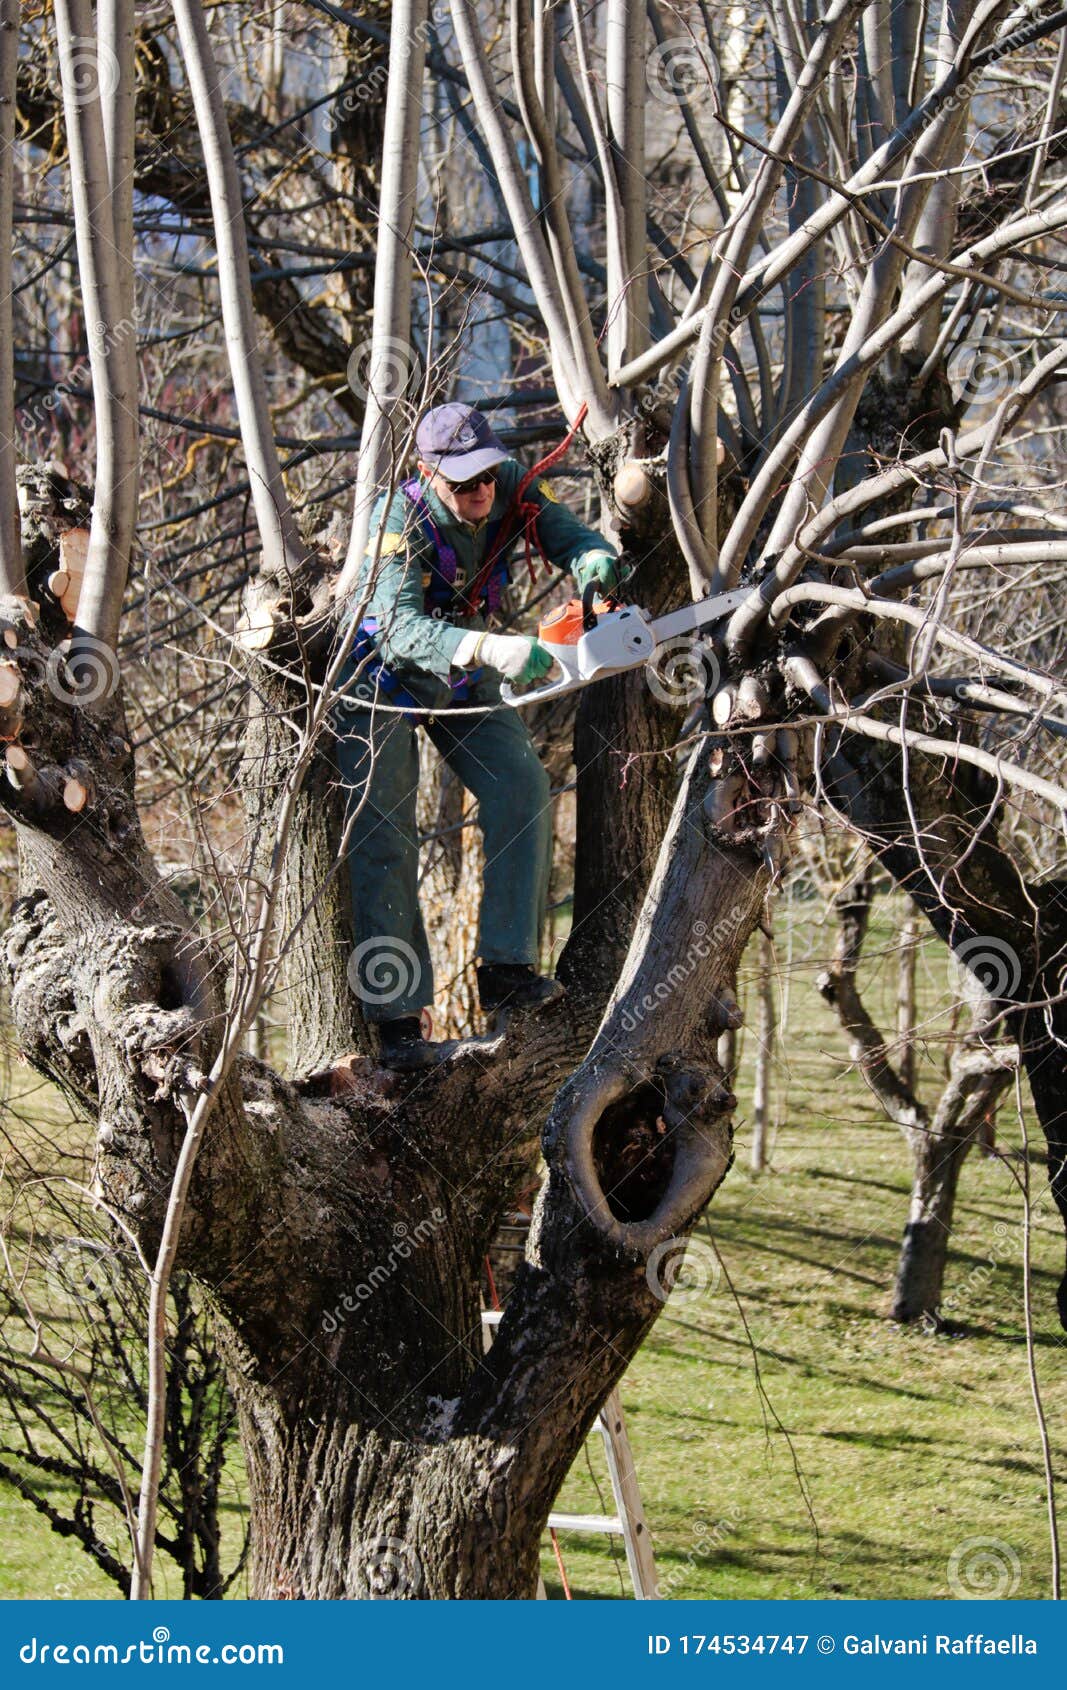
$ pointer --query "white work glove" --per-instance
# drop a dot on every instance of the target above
(515, 656)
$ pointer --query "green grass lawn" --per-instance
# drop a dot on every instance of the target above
(866, 1459)
(909, 1445)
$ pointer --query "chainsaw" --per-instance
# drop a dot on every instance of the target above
(590, 638)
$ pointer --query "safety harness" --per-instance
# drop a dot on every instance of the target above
(443, 599)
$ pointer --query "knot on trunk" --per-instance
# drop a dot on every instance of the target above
(292, 618)
(643, 1152)
(139, 987)
(753, 796)
(50, 1024)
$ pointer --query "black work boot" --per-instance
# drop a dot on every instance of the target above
(514, 985)
(403, 1047)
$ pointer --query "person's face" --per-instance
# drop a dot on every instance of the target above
(471, 503)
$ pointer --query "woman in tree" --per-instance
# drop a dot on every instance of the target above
(429, 588)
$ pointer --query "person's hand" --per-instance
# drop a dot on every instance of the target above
(516, 656)
(538, 663)
(599, 567)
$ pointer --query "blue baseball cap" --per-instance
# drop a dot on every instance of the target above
(457, 440)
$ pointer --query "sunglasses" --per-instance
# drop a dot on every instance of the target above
(471, 486)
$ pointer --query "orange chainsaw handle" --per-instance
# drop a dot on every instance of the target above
(568, 622)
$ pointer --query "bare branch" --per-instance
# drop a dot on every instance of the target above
(101, 262)
(626, 89)
(389, 369)
(282, 551)
(802, 672)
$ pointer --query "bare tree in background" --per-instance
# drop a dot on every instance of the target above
(771, 393)
(981, 1066)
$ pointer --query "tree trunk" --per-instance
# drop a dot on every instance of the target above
(1008, 932)
(909, 945)
(450, 890)
(927, 1234)
(978, 1077)
(320, 1009)
(342, 1512)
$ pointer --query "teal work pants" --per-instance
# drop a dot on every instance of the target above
(494, 757)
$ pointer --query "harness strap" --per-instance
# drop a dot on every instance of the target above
(414, 492)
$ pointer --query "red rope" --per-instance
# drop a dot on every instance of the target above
(559, 1564)
(526, 508)
(528, 512)
(493, 1296)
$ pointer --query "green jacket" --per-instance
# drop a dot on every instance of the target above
(418, 647)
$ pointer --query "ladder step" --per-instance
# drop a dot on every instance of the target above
(586, 1523)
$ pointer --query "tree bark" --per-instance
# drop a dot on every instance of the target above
(450, 892)
(320, 1010)
(909, 944)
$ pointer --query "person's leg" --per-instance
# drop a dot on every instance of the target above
(494, 757)
(390, 968)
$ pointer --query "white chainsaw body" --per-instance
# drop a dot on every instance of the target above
(622, 639)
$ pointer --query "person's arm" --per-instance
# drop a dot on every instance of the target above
(567, 543)
(406, 634)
